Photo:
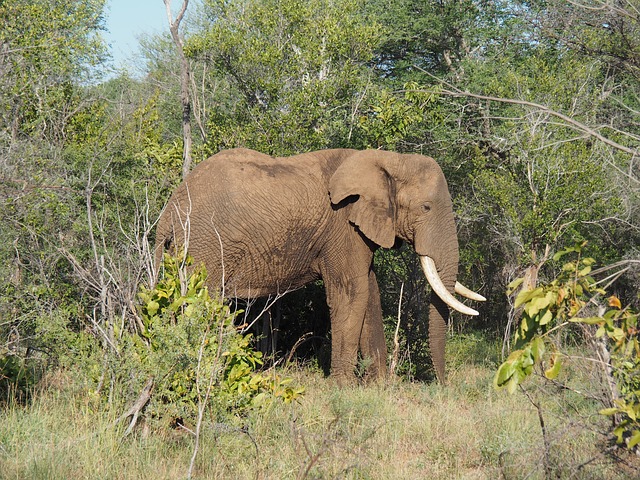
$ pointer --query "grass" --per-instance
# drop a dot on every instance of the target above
(401, 430)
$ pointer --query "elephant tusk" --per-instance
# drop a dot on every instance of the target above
(468, 293)
(430, 271)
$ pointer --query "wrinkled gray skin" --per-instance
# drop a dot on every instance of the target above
(265, 225)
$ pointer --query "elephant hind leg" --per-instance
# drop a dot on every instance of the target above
(372, 340)
(164, 243)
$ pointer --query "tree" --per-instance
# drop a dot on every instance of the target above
(521, 119)
(433, 35)
(47, 48)
(185, 82)
(294, 71)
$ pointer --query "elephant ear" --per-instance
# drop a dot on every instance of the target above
(374, 212)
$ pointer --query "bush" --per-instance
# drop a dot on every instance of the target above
(574, 298)
(188, 344)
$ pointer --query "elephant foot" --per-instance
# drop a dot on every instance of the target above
(377, 376)
(343, 380)
(372, 376)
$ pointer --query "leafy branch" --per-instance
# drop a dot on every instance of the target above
(553, 307)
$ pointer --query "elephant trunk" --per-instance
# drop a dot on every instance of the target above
(438, 317)
(443, 283)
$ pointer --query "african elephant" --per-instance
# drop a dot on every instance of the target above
(264, 225)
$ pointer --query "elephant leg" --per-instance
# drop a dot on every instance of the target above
(348, 302)
(372, 341)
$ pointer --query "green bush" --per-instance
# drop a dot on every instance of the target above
(188, 344)
(553, 308)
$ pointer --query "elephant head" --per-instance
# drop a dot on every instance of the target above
(406, 196)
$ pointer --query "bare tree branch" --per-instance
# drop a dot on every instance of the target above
(454, 91)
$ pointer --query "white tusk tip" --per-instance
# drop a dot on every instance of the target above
(468, 293)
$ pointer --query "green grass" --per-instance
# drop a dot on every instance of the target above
(401, 430)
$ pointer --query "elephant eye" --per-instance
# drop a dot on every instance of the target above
(426, 207)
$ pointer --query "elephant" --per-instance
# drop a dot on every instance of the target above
(263, 225)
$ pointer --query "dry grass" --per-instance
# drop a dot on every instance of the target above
(464, 430)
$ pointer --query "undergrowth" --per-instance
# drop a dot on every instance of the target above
(465, 430)
(575, 305)
(189, 346)
(210, 397)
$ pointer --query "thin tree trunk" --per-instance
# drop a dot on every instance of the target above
(185, 82)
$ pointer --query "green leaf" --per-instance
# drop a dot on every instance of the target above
(609, 411)
(617, 334)
(514, 285)
(534, 306)
(634, 440)
(526, 295)
(587, 320)
(512, 385)
(504, 373)
(537, 348)
(152, 307)
(555, 366)
(546, 318)
(585, 271)
(575, 249)
(619, 433)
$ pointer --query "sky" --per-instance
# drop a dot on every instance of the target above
(128, 19)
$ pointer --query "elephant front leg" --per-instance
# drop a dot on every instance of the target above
(348, 302)
(372, 341)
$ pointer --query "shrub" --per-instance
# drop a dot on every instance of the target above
(188, 344)
(570, 299)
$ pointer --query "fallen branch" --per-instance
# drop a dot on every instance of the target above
(304, 338)
(137, 407)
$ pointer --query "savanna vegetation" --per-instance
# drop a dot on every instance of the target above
(532, 108)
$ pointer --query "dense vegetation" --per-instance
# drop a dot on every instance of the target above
(531, 108)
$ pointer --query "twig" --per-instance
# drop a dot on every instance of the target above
(545, 435)
(314, 457)
(299, 342)
(396, 342)
(270, 301)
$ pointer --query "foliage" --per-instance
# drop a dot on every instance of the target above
(391, 118)
(431, 35)
(48, 46)
(16, 378)
(294, 71)
(557, 305)
(189, 344)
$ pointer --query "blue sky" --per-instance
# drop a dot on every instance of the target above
(128, 19)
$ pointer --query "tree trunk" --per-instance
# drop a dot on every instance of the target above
(185, 81)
